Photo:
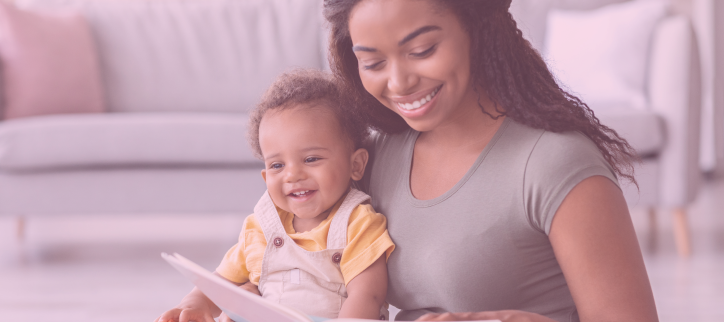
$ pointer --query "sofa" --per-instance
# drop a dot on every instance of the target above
(178, 78)
(665, 131)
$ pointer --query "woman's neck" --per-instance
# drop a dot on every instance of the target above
(470, 129)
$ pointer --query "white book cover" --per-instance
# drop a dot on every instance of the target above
(238, 304)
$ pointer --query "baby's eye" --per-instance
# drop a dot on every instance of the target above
(311, 159)
(276, 166)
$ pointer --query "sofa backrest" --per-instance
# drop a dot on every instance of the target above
(532, 15)
(198, 55)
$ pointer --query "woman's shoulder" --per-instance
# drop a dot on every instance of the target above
(564, 152)
(558, 161)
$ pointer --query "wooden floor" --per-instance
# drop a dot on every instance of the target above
(108, 269)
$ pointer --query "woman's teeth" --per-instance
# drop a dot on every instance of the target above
(300, 193)
(421, 102)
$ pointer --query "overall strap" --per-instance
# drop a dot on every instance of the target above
(337, 237)
(266, 213)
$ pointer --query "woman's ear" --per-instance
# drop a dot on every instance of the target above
(359, 162)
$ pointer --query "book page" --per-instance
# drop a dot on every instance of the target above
(238, 304)
(363, 320)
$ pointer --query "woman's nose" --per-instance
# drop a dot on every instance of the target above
(401, 79)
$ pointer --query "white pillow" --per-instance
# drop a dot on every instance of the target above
(602, 55)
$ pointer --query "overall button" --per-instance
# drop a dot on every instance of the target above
(278, 242)
(383, 318)
(337, 257)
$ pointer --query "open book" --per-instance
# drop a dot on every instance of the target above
(240, 305)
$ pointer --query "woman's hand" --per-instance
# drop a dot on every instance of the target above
(504, 316)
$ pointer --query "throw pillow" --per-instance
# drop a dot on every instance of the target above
(602, 55)
(49, 63)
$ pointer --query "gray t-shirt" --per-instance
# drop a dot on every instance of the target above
(483, 245)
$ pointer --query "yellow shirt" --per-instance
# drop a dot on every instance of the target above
(367, 240)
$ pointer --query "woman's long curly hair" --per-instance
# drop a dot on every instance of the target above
(503, 64)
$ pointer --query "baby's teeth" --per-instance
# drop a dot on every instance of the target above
(416, 104)
(428, 97)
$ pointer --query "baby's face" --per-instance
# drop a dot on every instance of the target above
(308, 162)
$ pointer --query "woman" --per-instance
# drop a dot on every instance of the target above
(500, 188)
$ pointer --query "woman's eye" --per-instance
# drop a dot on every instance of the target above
(372, 66)
(424, 53)
(311, 159)
(276, 166)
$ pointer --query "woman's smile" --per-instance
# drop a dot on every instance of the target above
(416, 105)
(415, 101)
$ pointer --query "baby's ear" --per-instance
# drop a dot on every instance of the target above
(263, 174)
(359, 162)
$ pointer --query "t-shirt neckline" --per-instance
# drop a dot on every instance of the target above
(409, 149)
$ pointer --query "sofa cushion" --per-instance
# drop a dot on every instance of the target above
(643, 129)
(198, 55)
(124, 139)
(601, 55)
(532, 15)
(49, 63)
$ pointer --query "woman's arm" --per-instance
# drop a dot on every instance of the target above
(366, 292)
(595, 244)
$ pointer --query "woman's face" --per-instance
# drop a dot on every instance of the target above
(415, 59)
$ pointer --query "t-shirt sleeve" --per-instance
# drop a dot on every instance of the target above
(367, 240)
(557, 163)
(233, 265)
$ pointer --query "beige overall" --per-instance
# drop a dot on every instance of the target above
(311, 282)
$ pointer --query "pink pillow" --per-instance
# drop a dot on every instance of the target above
(49, 63)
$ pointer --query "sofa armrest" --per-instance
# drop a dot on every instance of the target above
(674, 91)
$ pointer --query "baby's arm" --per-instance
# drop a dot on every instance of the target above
(195, 306)
(366, 292)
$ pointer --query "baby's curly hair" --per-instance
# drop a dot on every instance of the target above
(306, 88)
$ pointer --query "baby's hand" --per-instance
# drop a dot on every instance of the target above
(187, 314)
(224, 318)
(198, 308)
(250, 287)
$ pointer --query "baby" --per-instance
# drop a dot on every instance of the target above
(314, 243)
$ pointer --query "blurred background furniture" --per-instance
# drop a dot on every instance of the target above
(718, 93)
(665, 131)
(179, 78)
